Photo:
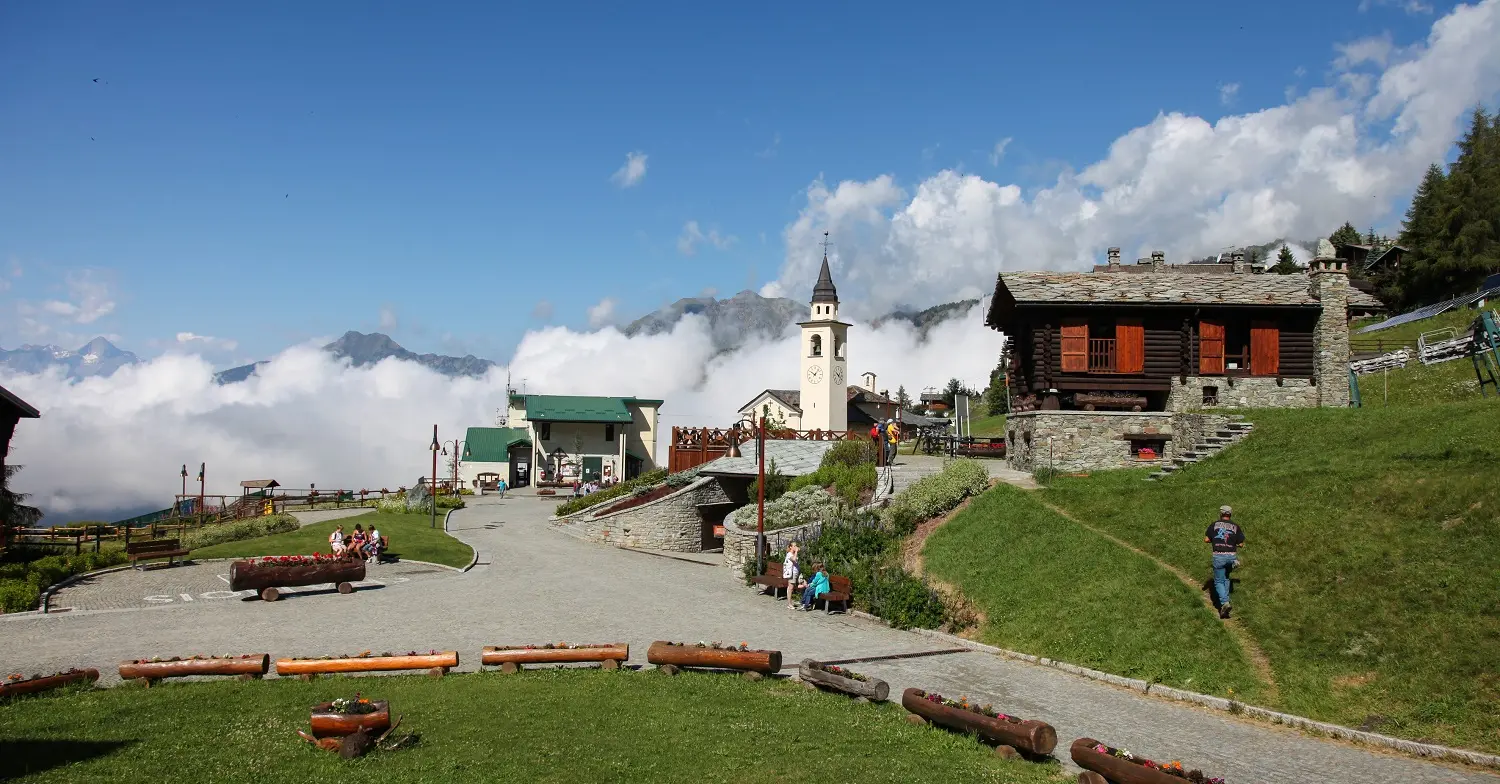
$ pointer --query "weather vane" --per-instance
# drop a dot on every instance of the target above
(826, 243)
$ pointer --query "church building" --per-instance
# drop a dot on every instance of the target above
(825, 399)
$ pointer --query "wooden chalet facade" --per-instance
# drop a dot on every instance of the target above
(1169, 341)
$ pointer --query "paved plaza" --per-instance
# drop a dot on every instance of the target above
(533, 584)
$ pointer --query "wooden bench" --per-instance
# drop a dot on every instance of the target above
(772, 578)
(157, 548)
(839, 590)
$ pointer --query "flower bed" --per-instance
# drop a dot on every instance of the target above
(1033, 737)
(639, 500)
(1123, 767)
(347, 715)
(713, 655)
(610, 655)
(272, 572)
(842, 680)
(18, 684)
(251, 664)
(437, 661)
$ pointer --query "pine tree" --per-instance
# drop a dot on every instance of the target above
(1286, 263)
(1346, 235)
(1453, 225)
(14, 513)
(902, 399)
(996, 394)
(1420, 234)
(952, 391)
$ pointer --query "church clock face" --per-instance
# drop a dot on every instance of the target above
(814, 374)
(838, 375)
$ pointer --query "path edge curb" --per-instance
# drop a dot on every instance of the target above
(46, 597)
(1426, 750)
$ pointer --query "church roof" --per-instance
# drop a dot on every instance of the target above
(823, 290)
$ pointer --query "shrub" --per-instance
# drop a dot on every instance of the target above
(18, 596)
(940, 493)
(807, 505)
(239, 530)
(450, 502)
(682, 478)
(777, 483)
(644, 481)
(850, 454)
(849, 482)
(904, 600)
(21, 584)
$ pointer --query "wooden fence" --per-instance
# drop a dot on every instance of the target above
(694, 446)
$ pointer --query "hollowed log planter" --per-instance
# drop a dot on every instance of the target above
(47, 683)
(871, 688)
(256, 664)
(328, 724)
(1033, 737)
(765, 662)
(1116, 770)
(611, 656)
(267, 577)
(425, 661)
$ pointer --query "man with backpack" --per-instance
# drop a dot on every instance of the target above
(875, 437)
(1227, 538)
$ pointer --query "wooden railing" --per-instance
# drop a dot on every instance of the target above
(694, 446)
(1101, 355)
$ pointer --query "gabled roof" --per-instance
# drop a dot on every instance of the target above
(492, 444)
(1374, 258)
(792, 458)
(859, 394)
(18, 407)
(791, 398)
(578, 408)
(1025, 288)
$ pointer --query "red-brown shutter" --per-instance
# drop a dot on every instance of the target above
(1075, 346)
(1210, 348)
(1130, 346)
(1265, 348)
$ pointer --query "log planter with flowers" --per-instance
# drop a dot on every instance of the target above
(268, 574)
(512, 657)
(248, 665)
(16, 685)
(839, 679)
(346, 716)
(435, 662)
(1037, 738)
(713, 655)
(1119, 766)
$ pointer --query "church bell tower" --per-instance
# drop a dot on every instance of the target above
(824, 351)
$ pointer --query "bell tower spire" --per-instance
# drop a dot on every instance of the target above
(824, 373)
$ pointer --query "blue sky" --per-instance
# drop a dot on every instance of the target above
(268, 174)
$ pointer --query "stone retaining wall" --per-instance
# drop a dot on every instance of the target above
(671, 522)
(1246, 392)
(1096, 440)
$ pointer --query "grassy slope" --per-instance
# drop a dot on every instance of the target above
(1418, 384)
(1026, 568)
(410, 535)
(1371, 574)
(988, 426)
(544, 726)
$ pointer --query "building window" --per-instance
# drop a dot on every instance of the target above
(544, 431)
(817, 346)
(609, 432)
(1210, 396)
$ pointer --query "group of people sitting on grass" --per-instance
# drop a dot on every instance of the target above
(812, 587)
(358, 544)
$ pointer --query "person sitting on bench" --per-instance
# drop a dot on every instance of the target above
(816, 586)
(372, 546)
(336, 540)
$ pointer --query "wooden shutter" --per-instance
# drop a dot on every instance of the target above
(1130, 346)
(1265, 348)
(1210, 348)
(1075, 346)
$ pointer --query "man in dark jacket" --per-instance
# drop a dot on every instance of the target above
(1227, 538)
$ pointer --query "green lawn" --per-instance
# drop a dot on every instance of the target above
(543, 726)
(1051, 587)
(410, 535)
(988, 426)
(1371, 574)
(1417, 384)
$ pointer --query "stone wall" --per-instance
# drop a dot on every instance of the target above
(739, 543)
(1251, 392)
(671, 522)
(1096, 440)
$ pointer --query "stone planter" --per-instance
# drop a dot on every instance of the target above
(511, 659)
(663, 653)
(1037, 738)
(326, 723)
(1114, 769)
(870, 688)
(254, 665)
(47, 682)
(266, 577)
(435, 662)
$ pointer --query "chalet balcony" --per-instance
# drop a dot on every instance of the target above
(1102, 355)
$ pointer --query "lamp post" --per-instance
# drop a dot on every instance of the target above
(436, 446)
(182, 497)
(202, 468)
(460, 448)
(760, 486)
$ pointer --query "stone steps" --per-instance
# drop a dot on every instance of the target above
(1232, 434)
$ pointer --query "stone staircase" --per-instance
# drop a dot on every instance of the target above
(1231, 433)
(904, 474)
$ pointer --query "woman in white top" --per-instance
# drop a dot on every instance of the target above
(790, 572)
(336, 540)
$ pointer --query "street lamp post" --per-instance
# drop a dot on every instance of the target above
(460, 451)
(202, 468)
(760, 487)
(182, 497)
(433, 488)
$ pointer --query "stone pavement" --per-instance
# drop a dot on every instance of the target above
(536, 585)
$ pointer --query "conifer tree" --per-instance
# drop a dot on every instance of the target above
(1286, 264)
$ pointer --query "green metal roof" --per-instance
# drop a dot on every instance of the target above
(577, 408)
(492, 444)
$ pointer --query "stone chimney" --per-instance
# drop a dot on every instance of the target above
(1238, 260)
(1114, 259)
(1158, 260)
(1330, 284)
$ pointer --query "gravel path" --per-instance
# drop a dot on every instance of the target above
(534, 584)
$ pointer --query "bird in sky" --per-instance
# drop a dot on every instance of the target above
(96, 81)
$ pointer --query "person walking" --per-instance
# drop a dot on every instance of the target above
(1227, 538)
(893, 435)
(501, 487)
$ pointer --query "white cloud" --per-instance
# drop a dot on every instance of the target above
(1375, 49)
(1227, 92)
(602, 313)
(192, 341)
(89, 299)
(693, 236)
(305, 418)
(1179, 183)
(998, 153)
(631, 174)
(388, 319)
(1413, 7)
(542, 310)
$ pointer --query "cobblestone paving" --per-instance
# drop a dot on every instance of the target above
(537, 585)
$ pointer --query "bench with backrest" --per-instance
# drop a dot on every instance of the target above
(155, 548)
(772, 578)
(840, 591)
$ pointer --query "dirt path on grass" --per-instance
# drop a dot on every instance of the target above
(969, 619)
(1253, 652)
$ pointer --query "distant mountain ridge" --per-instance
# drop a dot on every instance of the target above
(98, 357)
(368, 349)
(731, 322)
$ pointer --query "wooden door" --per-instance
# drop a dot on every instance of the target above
(1265, 348)
(1130, 346)
(1075, 346)
(1211, 348)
